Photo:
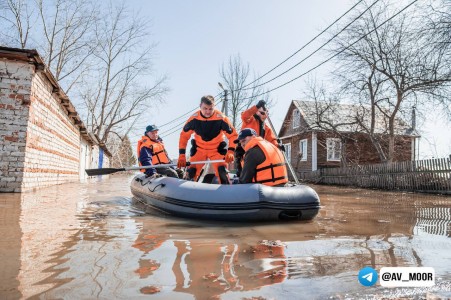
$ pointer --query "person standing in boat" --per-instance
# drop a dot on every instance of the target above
(209, 126)
(263, 161)
(151, 151)
(255, 118)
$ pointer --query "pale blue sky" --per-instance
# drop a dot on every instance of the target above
(196, 37)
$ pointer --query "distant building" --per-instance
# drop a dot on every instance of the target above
(317, 136)
(42, 138)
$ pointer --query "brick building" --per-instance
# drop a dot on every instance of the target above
(311, 146)
(42, 138)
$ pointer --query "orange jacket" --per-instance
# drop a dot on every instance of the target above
(208, 132)
(249, 121)
(159, 154)
(273, 170)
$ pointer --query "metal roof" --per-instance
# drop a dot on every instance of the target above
(347, 118)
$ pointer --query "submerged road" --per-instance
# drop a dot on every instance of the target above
(91, 240)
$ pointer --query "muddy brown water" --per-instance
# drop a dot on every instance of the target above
(92, 241)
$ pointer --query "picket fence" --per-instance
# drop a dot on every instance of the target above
(426, 176)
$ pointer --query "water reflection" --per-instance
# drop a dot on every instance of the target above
(207, 267)
(10, 245)
(433, 220)
(89, 241)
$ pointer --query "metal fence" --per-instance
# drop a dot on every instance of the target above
(427, 176)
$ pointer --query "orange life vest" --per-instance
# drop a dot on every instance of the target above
(273, 170)
(159, 155)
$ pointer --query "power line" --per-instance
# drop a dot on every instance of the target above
(308, 43)
(327, 60)
(189, 112)
(179, 117)
(180, 125)
(311, 54)
(327, 28)
(173, 131)
(177, 127)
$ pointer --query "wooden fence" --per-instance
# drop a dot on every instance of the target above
(426, 176)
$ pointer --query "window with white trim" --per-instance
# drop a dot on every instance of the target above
(296, 118)
(333, 149)
(288, 151)
(303, 149)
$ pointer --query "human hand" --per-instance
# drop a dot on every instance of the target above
(154, 176)
(181, 163)
(229, 157)
(149, 174)
(261, 103)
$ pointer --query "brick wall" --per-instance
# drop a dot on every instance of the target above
(15, 90)
(41, 135)
(53, 141)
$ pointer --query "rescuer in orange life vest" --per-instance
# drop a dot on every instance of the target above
(255, 118)
(263, 161)
(209, 126)
(151, 151)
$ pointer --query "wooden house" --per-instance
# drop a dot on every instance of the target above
(318, 135)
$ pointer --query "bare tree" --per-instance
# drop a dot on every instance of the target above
(328, 115)
(122, 154)
(115, 94)
(392, 62)
(438, 22)
(365, 85)
(437, 32)
(16, 19)
(67, 27)
(235, 75)
(62, 34)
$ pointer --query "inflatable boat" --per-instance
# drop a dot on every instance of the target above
(239, 202)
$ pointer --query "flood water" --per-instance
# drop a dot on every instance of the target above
(92, 241)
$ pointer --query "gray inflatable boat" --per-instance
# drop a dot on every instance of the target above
(240, 202)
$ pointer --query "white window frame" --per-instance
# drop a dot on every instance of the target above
(334, 147)
(296, 118)
(314, 151)
(288, 151)
(303, 146)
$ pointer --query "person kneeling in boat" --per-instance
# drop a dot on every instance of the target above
(151, 151)
(263, 161)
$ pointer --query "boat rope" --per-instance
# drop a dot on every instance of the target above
(160, 184)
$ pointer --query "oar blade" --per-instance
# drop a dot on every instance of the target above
(104, 171)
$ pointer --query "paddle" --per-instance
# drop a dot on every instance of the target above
(290, 167)
(106, 171)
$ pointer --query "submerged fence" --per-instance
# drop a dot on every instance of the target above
(427, 176)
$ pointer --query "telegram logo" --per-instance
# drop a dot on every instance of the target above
(367, 276)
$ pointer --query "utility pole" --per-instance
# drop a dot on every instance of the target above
(225, 106)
